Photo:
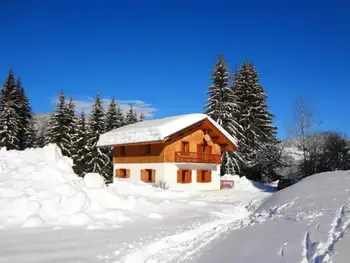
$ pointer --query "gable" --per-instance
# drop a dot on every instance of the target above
(206, 128)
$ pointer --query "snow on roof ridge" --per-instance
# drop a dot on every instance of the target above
(155, 130)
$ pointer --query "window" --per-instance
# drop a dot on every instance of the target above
(122, 173)
(122, 150)
(148, 175)
(185, 147)
(203, 176)
(184, 176)
(148, 149)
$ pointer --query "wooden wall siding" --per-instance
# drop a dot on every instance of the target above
(138, 154)
(165, 152)
(194, 138)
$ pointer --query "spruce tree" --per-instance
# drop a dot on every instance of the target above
(10, 120)
(27, 133)
(253, 116)
(142, 117)
(114, 116)
(41, 137)
(58, 130)
(131, 116)
(72, 125)
(81, 146)
(220, 106)
(98, 158)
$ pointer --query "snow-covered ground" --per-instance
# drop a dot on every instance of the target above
(305, 223)
(48, 214)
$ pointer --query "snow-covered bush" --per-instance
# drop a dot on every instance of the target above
(162, 184)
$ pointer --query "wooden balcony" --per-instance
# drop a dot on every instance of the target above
(196, 157)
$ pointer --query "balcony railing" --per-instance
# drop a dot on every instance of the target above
(196, 157)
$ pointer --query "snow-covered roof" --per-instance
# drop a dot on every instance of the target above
(155, 130)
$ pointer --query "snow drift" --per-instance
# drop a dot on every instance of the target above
(38, 187)
(306, 222)
(244, 184)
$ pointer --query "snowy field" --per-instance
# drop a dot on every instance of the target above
(305, 223)
(48, 214)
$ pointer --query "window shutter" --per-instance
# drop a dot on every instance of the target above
(209, 176)
(117, 173)
(153, 176)
(189, 179)
(127, 173)
(199, 176)
(179, 177)
(143, 175)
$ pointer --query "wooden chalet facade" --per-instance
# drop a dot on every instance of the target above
(186, 153)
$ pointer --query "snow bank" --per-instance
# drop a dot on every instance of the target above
(125, 187)
(244, 184)
(306, 222)
(38, 187)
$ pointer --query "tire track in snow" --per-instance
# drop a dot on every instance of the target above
(320, 252)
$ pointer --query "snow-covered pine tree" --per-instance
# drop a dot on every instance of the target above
(131, 116)
(142, 117)
(121, 116)
(98, 158)
(41, 137)
(114, 116)
(220, 106)
(27, 134)
(58, 130)
(10, 120)
(72, 124)
(81, 146)
(254, 117)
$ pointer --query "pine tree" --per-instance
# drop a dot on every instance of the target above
(220, 106)
(10, 120)
(72, 125)
(81, 146)
(27, 133)
(221, 102)
(253, 116)
(142, 117)
(58, 130)
(41, 137)
(114, 116)
(131, 116)
(98, 158)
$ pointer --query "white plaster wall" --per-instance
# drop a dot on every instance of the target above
(170, 176)
(168, 172)
(135, 170)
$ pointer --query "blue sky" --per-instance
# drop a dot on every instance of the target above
(159, 54)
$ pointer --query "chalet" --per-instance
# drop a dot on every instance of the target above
(183, 151)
